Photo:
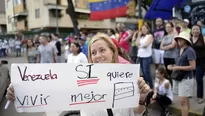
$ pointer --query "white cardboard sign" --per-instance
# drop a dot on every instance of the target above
(61, 87)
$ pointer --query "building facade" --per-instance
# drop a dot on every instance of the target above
(29, 15)
(3, 28)
(41, 14)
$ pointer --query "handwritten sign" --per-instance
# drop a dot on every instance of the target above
(60, 87)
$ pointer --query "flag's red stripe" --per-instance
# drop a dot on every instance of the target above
(87, 80)
(100, 15)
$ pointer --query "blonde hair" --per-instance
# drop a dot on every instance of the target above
(108, 40)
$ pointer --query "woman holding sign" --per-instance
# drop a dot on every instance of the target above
(102, 50)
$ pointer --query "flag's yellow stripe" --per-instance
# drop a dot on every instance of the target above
(95, 1)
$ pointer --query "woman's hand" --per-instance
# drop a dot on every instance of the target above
(144, 88)
(169, 67)
(10, 93)
(154, 96)
(172, 67)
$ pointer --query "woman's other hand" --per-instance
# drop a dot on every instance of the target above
(10, 93)
(144, 88)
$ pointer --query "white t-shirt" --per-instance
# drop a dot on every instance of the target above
(67, 51)
(1, 45)
(80, 58)
(112, 37)
(144, 52)
(18, 44)
(11, 42)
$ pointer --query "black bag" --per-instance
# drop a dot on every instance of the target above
(177, 75)
(109, 112)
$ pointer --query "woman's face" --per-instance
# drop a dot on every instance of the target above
(73, 48)
(158, 74)
(109, 32)
(181, 42)
(101, 52)
(169, 28)
(195, 31)
(144, 30)
(29, 43)
(42, 40)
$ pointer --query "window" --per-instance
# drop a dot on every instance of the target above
(37, 13)
(82, 4)
(9, 19)
(17, 2)
(7, 4)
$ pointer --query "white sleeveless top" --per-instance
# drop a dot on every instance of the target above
(144, 52)
(162, 90)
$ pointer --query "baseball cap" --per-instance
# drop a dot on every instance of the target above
(186, 21)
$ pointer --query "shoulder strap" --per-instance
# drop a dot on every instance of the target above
(109, 112)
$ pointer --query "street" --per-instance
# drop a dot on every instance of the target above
(175, 107)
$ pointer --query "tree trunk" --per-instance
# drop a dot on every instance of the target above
(71, 11)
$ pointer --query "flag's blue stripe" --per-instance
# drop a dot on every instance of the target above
(107, 5)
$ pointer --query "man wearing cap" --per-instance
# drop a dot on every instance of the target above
(185, 27)
(84, 46)
(1, 53)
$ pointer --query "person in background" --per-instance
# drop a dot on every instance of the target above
(185, 27)
(84, 47)
(162, 92)
(177, 25)
(11, 45)
(4, 48)
(1, 53)
(184, 62)
(50, 40)
(18, 47)
(134, 47)
(198, 44)
(125, 37)
(46, 52)
(88, 38)
(159, 34)
(71, 37)
(122, 56)
(144, 43)
(202, 27)
(67, 50)
(55, 41)
(111, 33)
(117, 34)
(36, 40)
(31, 52)
(76, 56)
(168, 44)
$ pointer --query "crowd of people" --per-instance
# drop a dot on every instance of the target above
(173, 48)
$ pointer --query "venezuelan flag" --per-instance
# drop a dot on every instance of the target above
(106, 9)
